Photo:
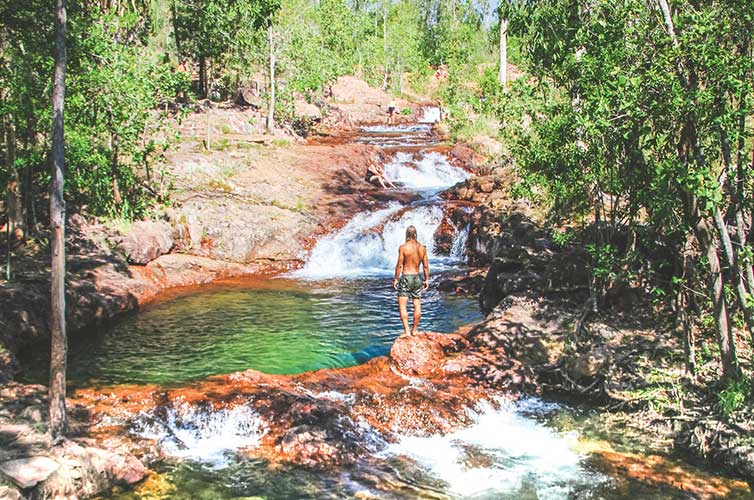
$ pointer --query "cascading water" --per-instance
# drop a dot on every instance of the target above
(368, 243)
(206, 435)
(430, 172)
(509, 450)
(430, 114)
(503, 452)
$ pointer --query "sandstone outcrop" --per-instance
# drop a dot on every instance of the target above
(145, 241)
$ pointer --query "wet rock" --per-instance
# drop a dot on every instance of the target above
(309, 446)
(468, 283)
(416, 355)
(28, 472)
(147, 240)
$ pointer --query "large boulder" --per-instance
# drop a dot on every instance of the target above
(147, 240)
(417, 355)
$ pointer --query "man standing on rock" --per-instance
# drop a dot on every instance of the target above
(411, 255)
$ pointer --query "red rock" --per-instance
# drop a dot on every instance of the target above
(417, 355)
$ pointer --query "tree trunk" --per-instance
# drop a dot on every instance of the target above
(59, 344)
(736, 276)
(271, 110)
(384, 48)
(503, 72)
(16, 223)
(701, 225)
(174, 16)
(725, 341)
(203, 76)
(117, 198)
(682, 309)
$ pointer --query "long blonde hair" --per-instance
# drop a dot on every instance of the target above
(410, 233)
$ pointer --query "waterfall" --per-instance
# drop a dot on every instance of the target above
(431, 172)
(430, 114)
(460, 240)
(368, 244)
(206, 435)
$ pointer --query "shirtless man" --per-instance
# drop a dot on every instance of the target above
(411, 255)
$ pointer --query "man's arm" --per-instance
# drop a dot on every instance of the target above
(425, 266)
(398, 267)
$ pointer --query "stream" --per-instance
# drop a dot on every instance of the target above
(338, 311)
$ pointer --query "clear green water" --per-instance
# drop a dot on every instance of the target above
(275, 326)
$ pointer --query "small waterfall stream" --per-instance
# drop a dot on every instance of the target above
(368, 244)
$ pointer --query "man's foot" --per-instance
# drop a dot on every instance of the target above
(405, 332)
(414, 332)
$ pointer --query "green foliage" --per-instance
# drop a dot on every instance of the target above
(562, 238)
(734, 395)
(112, 92)
(629, 128)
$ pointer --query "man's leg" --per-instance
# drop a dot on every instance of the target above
(417, 316)
(402, 307)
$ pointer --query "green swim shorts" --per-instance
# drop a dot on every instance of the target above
(410, 285)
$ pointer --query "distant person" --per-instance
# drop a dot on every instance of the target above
(411, 255)
(391, 112)
(376, 174)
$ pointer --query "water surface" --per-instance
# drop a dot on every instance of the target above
(276, 326)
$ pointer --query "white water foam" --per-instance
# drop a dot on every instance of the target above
(430, 114)
(501, 453)
(460, 241)
(431, 172)
(360, 248)
(205, 435)
(390, 129)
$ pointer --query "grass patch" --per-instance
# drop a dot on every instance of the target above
(281, 142)
(118, 224)
(734, 395)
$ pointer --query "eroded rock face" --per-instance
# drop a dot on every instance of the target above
(147, 240)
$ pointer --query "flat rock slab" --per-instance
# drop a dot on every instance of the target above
(27, 472)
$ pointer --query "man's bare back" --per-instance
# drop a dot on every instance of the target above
(411, 256)
(414, 254)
